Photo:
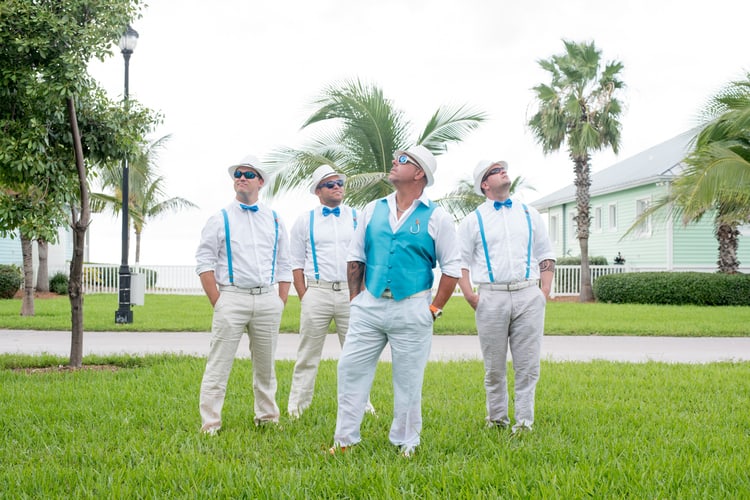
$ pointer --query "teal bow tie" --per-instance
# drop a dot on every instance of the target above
(327, 211)
(252, 208)
(500, 204)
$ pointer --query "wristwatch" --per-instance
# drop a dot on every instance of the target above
(436, 313)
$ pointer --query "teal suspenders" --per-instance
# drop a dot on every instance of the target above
(229, 246)
(486, 250)
(312, 239)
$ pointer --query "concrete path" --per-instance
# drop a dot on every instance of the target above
(444, 347)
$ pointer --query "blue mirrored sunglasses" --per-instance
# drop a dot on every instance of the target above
(331, 184)
(247, 175)
(403, 160)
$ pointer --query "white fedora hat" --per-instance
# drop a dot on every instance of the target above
(424, 159)
(481, 169)
(251, 162)
(321, 173)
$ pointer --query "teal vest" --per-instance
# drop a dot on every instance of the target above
(402, 261)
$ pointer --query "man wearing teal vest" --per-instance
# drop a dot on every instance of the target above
(397, 244)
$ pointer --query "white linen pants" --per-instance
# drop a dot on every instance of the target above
(318, 307)
(234, 314)
(373, 322)
(514, 319)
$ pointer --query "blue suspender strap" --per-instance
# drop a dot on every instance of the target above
(312, 245)
(484, 244)
(229, 246)
(275, 244)
(528, 249)
(354, 218)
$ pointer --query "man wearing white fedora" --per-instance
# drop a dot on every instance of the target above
(397, 244)
(319, 241)
(243, 254)
(505, 249)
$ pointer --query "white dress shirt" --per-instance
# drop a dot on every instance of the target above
(253, 238)
(507, 233)
(440, 227)
(332, 236)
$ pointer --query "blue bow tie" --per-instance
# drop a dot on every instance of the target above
(327, 211)
(500, 204)
(252, 208)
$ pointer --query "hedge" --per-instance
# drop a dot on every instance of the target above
(674, 288)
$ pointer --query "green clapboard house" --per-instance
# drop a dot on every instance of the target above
(619, 194)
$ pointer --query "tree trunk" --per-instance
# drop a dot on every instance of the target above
(582, 183)
(79, 223)
(42, 273)
(27, 305)
(137, 247)
(727, 236)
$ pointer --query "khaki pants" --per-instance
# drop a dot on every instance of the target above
(234, 314)
(514, 319)
(319, 307)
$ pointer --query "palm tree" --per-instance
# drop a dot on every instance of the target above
(717, 173)
(579, 108)
(146, 192)
(463, 200)
(357, 131)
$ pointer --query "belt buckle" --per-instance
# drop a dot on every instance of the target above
(336, 286)
(258, 290)
(387, 294)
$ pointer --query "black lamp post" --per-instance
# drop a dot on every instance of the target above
(124, 314)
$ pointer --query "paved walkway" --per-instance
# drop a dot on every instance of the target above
(444, 347)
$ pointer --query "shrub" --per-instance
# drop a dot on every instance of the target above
(576, 261)
(674, 288)
(59, 283)
(11, 279)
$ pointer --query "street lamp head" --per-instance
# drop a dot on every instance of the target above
(128, 40)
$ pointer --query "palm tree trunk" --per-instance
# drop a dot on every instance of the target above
(583, 221)
(137, 247)
(727, 236)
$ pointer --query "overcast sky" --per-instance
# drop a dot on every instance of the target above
(239, 77)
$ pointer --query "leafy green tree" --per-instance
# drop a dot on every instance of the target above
(716, 177)
(146, 196)
(357, 129)
(51, 111)
(579, 108)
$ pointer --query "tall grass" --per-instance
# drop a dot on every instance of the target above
(603, 430)
(193, 314)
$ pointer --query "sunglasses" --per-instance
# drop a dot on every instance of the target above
(403, 160)
(494, 171)
(331, 184)
(247, 175)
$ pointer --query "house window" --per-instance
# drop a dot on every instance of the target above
(644, 228)
(553, 229)
(598, 219)
(612, 217)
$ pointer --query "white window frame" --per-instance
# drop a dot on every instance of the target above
(612, 216)
(643, 230)
(598, 219)
(554, 229)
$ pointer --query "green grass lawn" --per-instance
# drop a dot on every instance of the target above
(603, 430)
(193, 313)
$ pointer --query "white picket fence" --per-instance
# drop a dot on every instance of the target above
(182, 280)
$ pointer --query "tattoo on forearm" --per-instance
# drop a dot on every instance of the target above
(354, 275)
(547, 265)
